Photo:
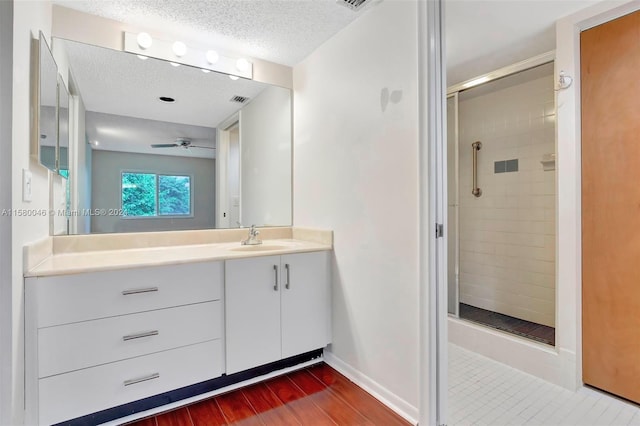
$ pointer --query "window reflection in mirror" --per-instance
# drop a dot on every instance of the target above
(128, 130)
(150, 194)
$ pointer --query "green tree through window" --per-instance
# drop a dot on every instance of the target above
(150, 194)
(174, 195)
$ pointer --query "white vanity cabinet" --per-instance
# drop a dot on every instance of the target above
(94, 341)
(276, 307)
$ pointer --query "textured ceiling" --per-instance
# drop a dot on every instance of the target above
(484, 35)
(281, 31)
(481, 35)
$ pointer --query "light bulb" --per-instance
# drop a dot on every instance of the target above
(179, 48)
(242, 64)
(206, 71)
(233, 77)
(174, 64)
(144, 40)
(144, 58)
(212, 56)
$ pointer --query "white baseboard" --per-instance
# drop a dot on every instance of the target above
(382, 394)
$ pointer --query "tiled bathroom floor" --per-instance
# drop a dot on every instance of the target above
(531, 330)
(486, 392)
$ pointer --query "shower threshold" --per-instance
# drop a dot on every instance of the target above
(530, 330)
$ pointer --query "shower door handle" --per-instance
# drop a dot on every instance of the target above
(476, 146)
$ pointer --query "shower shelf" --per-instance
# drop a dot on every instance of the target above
(548, 162)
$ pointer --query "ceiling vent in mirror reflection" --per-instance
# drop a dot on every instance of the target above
(353, 4)
(239, 99)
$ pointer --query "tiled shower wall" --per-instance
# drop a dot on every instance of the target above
(507, 235)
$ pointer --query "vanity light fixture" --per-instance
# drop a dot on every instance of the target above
(206, 71)
(144, 40)
(184, 53)
(179, 48)
(174, 64)
(144, 58)
(242, 64)
(233, 77)
(212, 56)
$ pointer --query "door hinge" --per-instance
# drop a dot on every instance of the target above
(439, 230)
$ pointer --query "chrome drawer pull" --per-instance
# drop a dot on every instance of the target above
(288, 284)
(140, 335)
(139, 290)
(142, 379)
(275, 284)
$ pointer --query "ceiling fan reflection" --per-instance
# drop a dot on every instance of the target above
(180, 143)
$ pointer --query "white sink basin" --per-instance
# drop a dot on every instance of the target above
(259, 247)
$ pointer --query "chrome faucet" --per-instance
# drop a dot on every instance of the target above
(253, 237)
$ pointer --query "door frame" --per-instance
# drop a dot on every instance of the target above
(222, 160)
(432, 167)
(569, 153)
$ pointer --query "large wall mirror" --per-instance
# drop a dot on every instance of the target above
(163, 146)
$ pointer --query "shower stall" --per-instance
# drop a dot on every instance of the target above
(502, 201)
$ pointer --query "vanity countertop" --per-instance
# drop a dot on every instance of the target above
(83, 261)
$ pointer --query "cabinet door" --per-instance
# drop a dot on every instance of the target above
(252, 312)
(305, 309)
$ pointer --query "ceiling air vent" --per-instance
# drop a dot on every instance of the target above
(239, 99)
(352, 4)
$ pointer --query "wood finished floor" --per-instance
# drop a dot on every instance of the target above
(531, 330)
(317, 395)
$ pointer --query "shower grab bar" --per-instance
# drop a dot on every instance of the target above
(476, 146)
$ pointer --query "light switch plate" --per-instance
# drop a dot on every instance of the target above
(27, 177)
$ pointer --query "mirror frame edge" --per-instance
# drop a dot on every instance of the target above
(35, 98)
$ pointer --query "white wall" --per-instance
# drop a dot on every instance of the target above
(29, 18)
(507, 235)
(106, 180)
(265, 150)
(356, 172)
(6, 74)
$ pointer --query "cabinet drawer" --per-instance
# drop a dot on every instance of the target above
(82, 392)
(85, 344)
(81, 297)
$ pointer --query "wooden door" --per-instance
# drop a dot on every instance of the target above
(305, 310)
(252, 312)
(610, 73)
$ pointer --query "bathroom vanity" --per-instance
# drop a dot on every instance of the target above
(116, 331)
